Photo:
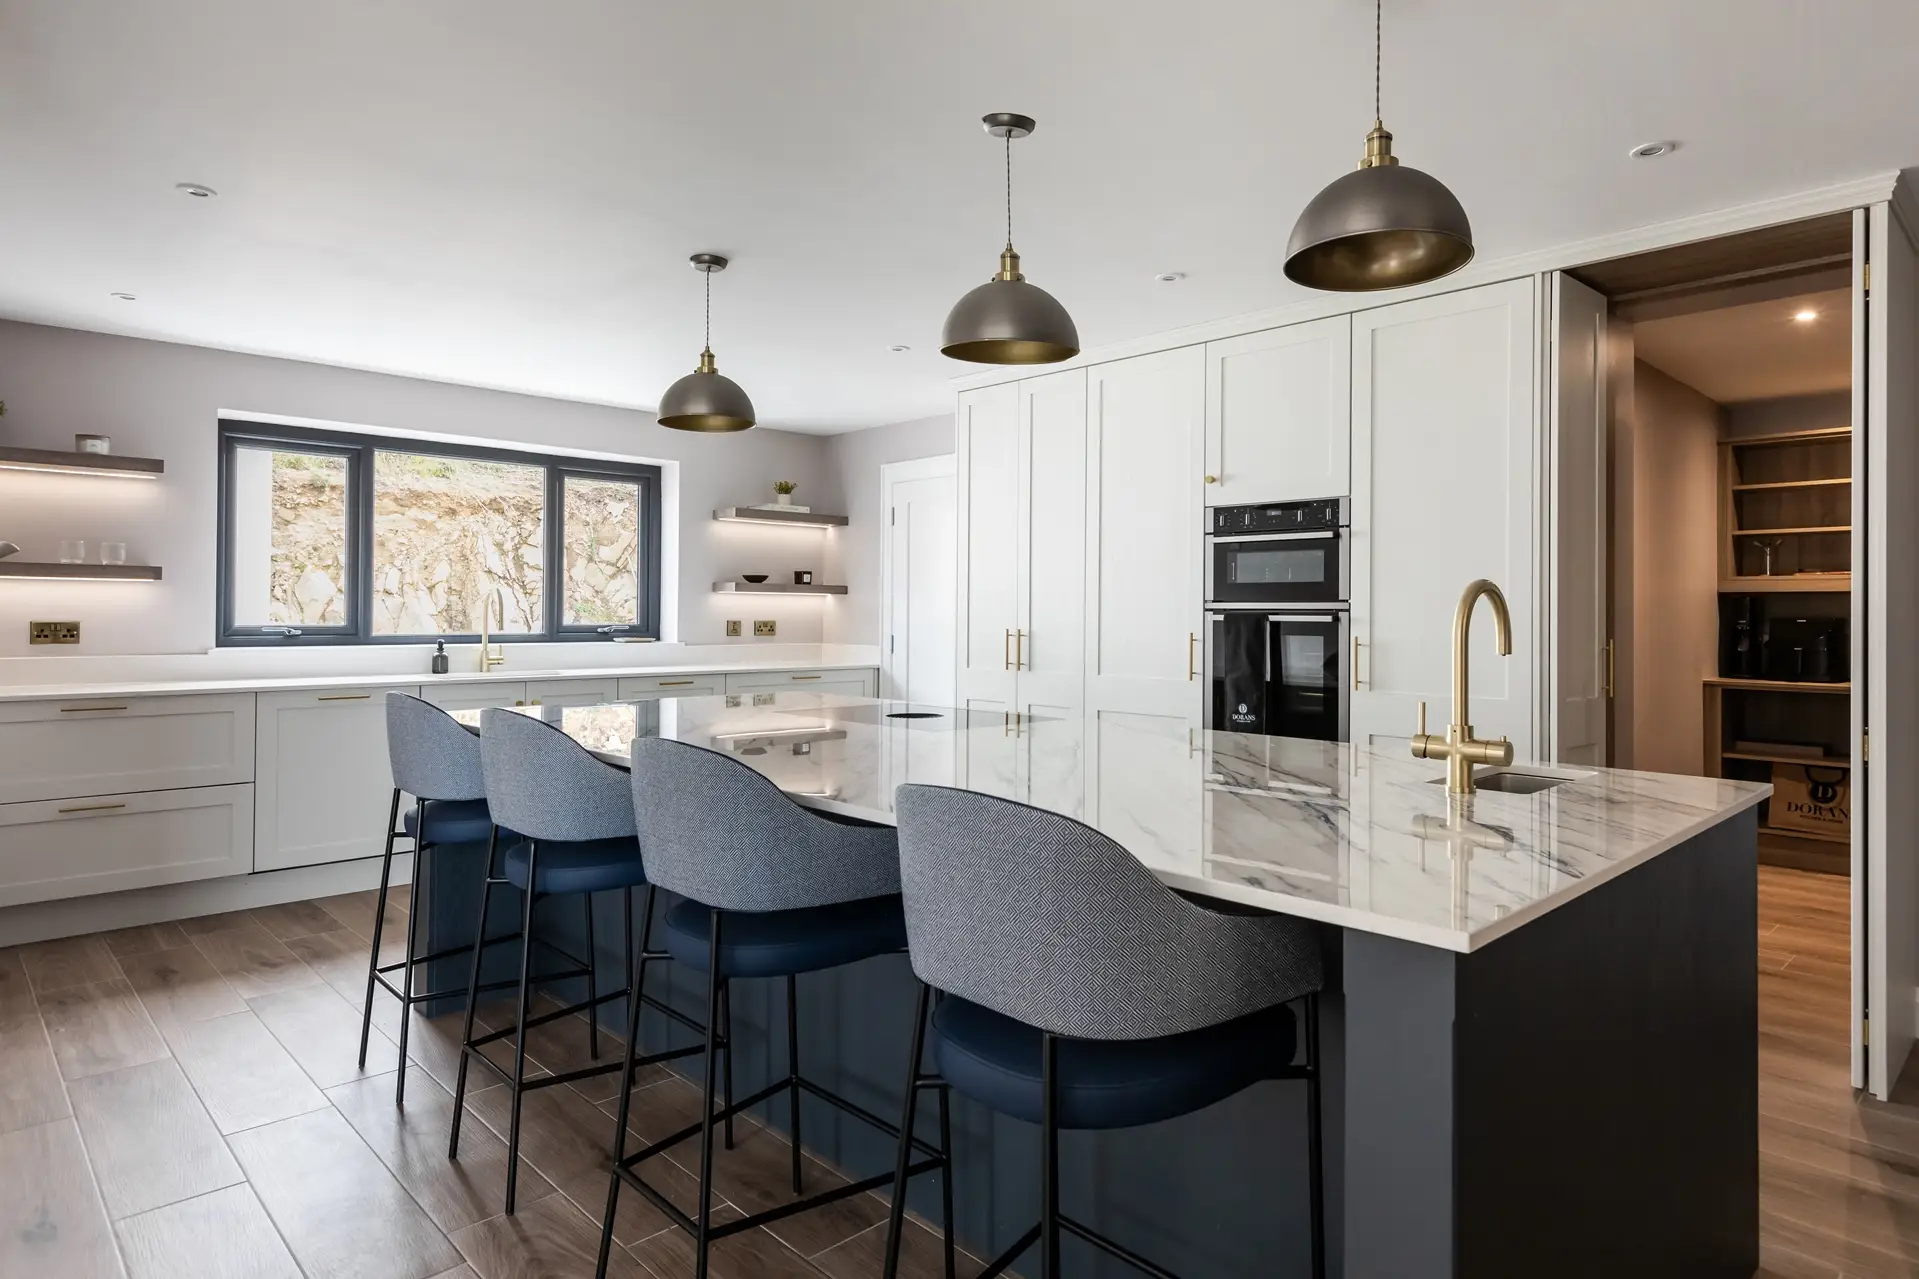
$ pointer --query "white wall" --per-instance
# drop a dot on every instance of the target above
(163, 400)
(855, 551)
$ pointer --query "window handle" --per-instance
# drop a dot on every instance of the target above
(286, 632)
(614, 629)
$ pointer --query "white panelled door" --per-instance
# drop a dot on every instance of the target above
(1279, 414)
(1049, 642)
(1144, 451)
(1578, 620)
(988, 500)
(916, 662)
(1444, 484)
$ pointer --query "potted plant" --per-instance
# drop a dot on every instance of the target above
(783, 491)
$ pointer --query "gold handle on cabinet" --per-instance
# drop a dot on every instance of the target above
(1212, 479)
(343, 697)
(804, 677)
(1609, 676)
(85, 710)
(674, 683)
(1192, 642)
(1019, 650)
(1355, 663)
(535, 702)
(1006, 651)
(91, 808)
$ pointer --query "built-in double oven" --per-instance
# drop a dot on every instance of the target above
(1278, 633)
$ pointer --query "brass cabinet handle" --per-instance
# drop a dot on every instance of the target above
(1006, 652)
(673, 683)
(91, 808)
(84, 710)
(1355, 663)
(1212, 479)
(805, 677)
(343, 697)
(1192, 642)
(1019, 650)
(1609, 675)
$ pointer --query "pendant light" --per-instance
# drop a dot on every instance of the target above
(1383, 227)
(1006, 320)
(704, 400)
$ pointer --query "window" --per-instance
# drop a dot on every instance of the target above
(334, 537)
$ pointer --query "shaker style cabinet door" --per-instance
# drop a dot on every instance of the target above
(989, 476)
(1445, 418)
(323, 785)
(1279, 414)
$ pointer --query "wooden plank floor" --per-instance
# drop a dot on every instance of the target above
(182, 1100)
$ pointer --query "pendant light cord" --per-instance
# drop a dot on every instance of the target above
(1009, 189)
(709, 309)
(1377, 4)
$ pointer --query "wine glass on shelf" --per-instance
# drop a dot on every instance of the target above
(1768, 547)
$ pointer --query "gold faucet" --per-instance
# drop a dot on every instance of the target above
(491, 654)
(1461, 750)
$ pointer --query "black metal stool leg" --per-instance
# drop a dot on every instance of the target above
(896, 1215)
(726, 1035)
(412, 949)
(519, 1038)
(472, 996)
(379, 918)
(715, 991)
(636, 988)
(1049, 1160)
(792, 1069)
(592, 984)
(946, 1185)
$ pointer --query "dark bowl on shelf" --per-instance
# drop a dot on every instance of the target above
(755, 578)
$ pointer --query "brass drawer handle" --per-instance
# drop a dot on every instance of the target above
(1192, 642)
(91, 808)
(86, 710)
(1006, 652)
(344, 697)
(1355, 663)
(674, 683)
(1019, 650)
(805, 677)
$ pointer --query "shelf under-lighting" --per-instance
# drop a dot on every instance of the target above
(792, 519)
(773, 588)
(81, 572)
(141, 468)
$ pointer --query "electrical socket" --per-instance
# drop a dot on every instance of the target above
(53, 632)
(733, 627)
(765, 628)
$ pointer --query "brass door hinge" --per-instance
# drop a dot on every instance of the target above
(1865, 747)
(1866, 283)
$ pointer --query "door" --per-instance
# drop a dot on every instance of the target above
(917, 583)
(988, 480)
(322, 785)
(1580, 644)
(1049, 639)
(1444, 413)
(1279, 414)
(1886, 610)
(1144, 520)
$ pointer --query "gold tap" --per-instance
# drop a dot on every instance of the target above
(491, 654)
(1461, 750)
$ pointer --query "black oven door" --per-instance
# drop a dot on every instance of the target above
(1276, 568)
(1278, 674)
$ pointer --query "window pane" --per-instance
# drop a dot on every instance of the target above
(448, 532)
(602, 551)
(288, 538)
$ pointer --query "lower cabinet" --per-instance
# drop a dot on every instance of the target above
(859, 682)
(105, 843)
(323, 785)
(474, 696)
(572, 692)
(635, 688)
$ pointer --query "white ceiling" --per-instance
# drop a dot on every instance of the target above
(504, 193)
(1756, 351)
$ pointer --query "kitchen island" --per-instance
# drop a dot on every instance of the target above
(1540, 1031)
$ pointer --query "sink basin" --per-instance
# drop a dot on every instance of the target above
(1512, 781)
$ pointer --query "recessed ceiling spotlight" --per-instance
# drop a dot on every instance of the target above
(195, 189)
(899, 348)
(1170, 277)
(124, 297)
(1648, 150)
(1806, 316)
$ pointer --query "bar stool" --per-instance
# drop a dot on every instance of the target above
(574, 821)
(1078, 992)
(435, 759)
(769, 890)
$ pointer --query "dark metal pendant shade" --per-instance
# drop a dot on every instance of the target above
(704, 400)
(1384, 226)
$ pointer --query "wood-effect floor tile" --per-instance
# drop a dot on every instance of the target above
(412, 1144)
(30, 1088)
(254, 961)
(51, 1220)
(98, 1028)
(180, 984)
(922, 1255)
(222, 1235)
(458, 1272)
(296, 919)
(355, 910)
(142, 938)
(551, 1239)
(16, 992)
(241, 1072)
(751, 1254)
(149, 1138)
(70, 961)
(201, 925)
(340, 1211)
(321, 1031)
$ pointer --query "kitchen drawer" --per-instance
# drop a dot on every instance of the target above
(858, 682)
(638, 686)
(51, 849)
(572, 692)
(475, 695)
(61, 749)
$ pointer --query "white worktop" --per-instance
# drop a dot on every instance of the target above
(1359, 838)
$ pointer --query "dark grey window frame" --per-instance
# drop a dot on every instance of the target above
(359, 449)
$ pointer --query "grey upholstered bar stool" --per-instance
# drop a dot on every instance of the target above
(1079, 992)
(573, 821)
(768, 889)
(436, 760)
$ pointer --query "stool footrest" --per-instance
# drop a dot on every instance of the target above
(691, 1225)
(545, 1017)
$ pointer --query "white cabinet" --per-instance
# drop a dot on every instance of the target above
(572, 692)
(107, 745)
(857, 682)
(1279, 414)
(475, 695)
(1444, 420)
(106, 843)
(989, 478)
(639, 687)
(323, 786)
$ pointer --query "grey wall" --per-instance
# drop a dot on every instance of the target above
(854, 464)
(163, 400)
(1790, 413)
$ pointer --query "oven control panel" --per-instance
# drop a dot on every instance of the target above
(1280, 517)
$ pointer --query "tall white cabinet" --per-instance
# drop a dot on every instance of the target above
(1279, 414)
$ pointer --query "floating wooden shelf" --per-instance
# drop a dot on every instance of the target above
(1816, 761)
(1776, 685)
(80, 572)
(1793, 437)
(1788, 532)
(1786, 584)
(144, 468)
(1792, 484)
(774, 588)
(791, 519)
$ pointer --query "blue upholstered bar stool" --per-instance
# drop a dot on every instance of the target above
(574, 821)
(768, 889)
(1078, 992)
(436, 760)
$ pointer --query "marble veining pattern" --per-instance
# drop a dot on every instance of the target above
(1360, 838)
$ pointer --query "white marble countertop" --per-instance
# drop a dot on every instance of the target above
(1363, 839)
(387, 679)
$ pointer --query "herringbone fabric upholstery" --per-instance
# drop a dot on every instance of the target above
(433, 755)
(545, 785)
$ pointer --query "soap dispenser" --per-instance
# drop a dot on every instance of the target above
(439, 657)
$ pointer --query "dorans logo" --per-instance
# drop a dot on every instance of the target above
(1241, 714)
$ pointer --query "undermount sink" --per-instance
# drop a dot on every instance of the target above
(1513, 781)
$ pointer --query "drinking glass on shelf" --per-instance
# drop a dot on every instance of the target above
(1770, 547)
(73, 550)
(113, 552)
